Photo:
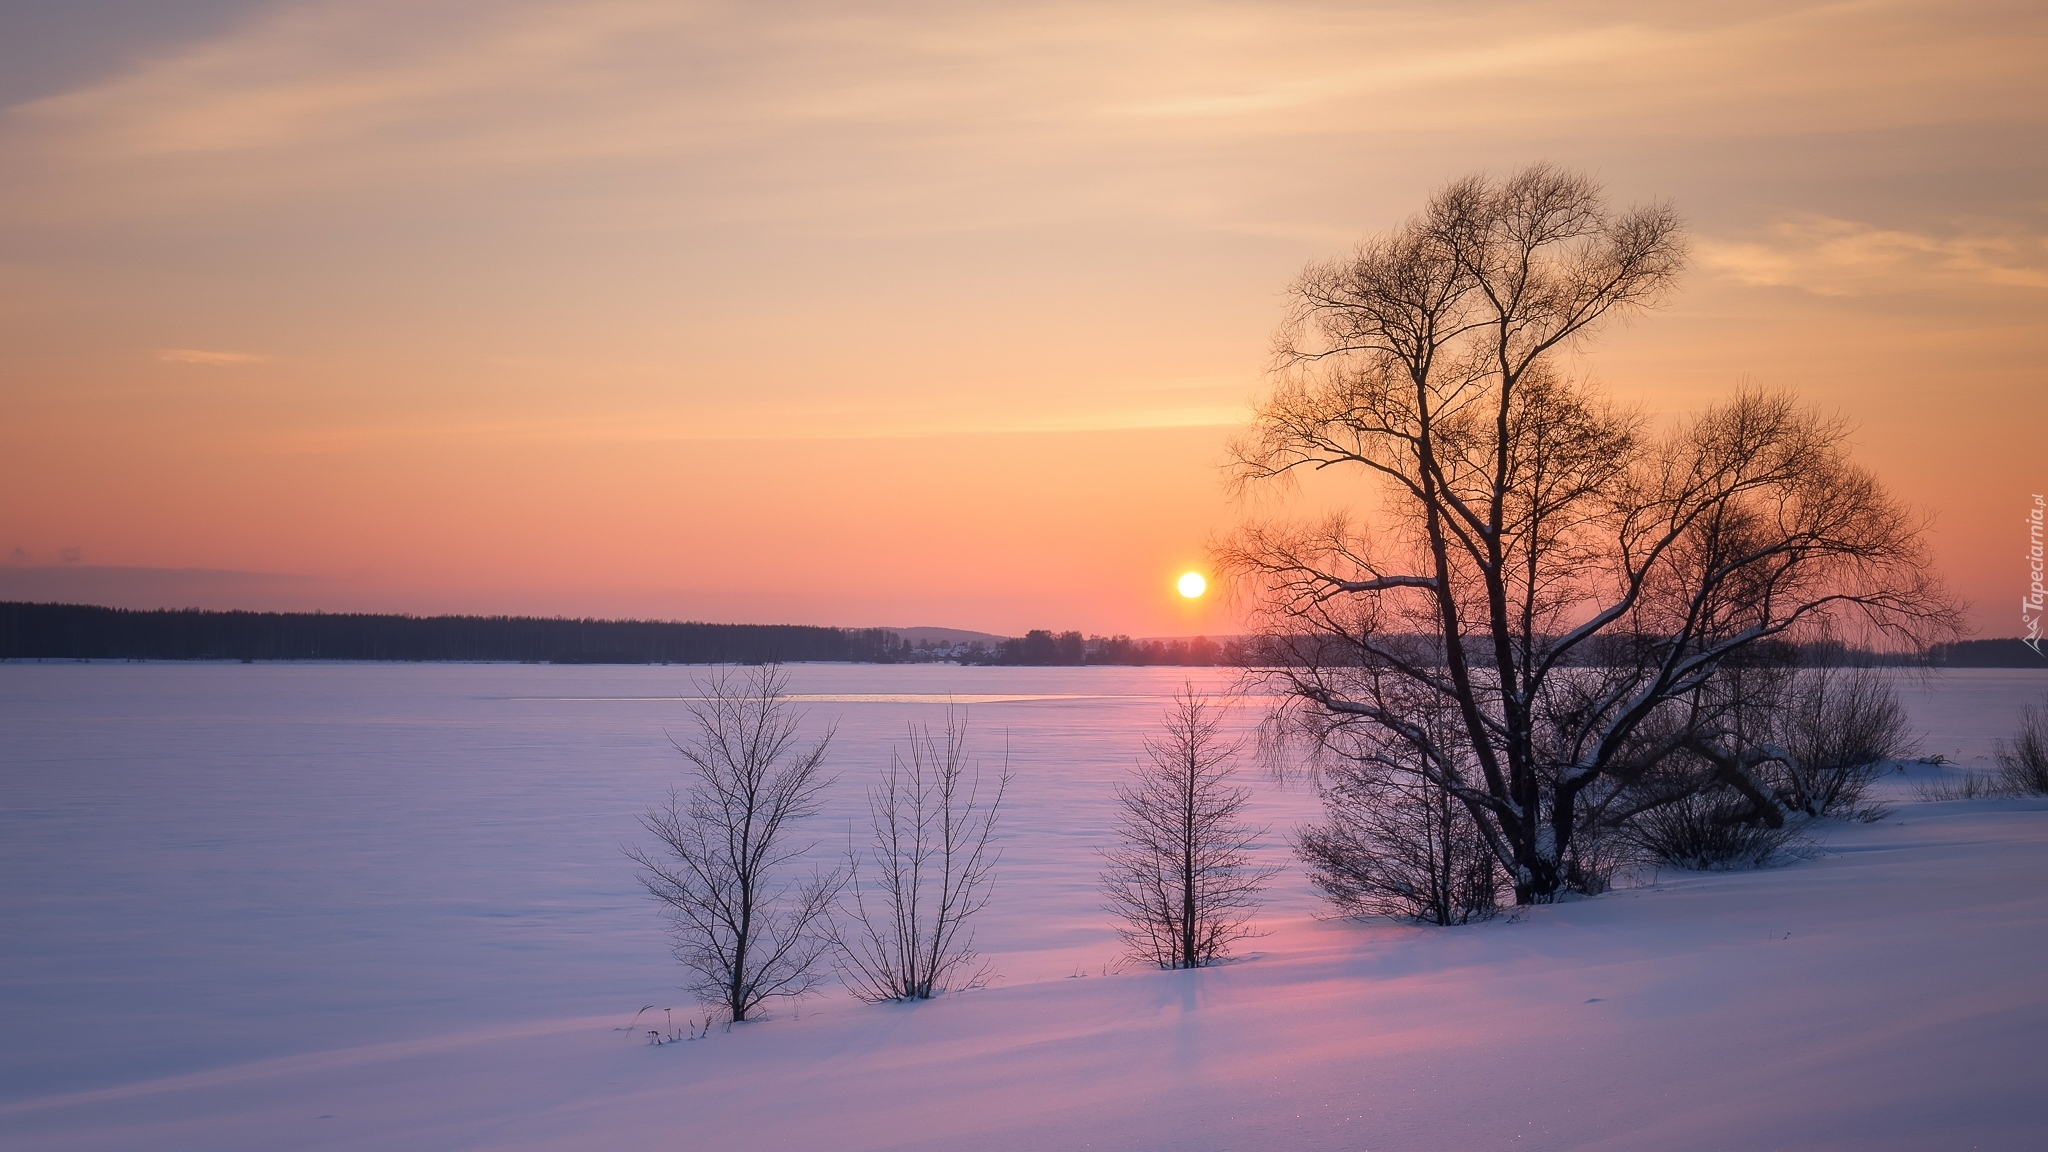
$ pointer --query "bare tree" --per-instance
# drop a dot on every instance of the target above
(1560, 575)
(1181, 878)
(2023, 760)
(1709, 830)
(933, 857)
(745, 931)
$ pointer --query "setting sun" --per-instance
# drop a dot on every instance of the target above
(1192, 585)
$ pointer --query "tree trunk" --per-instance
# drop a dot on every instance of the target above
(1187, 881)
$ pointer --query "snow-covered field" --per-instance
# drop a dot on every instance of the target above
(384, 906)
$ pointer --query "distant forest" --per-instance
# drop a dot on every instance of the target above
(79, 632)
(2010, 653)
(1043, 647)
(83, 632)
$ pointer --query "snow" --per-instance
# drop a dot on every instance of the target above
(383, 906)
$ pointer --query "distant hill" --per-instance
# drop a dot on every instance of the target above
(923, 636)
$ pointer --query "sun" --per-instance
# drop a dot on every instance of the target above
(1191, 584)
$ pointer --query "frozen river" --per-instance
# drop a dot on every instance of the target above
(203, 865)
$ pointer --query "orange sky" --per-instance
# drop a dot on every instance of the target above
(915, 314)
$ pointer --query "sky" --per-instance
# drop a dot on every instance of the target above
(915, 314)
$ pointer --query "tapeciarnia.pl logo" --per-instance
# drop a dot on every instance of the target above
(2031, 605)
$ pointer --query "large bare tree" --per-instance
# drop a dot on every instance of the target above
(744, 928)
(1563, 576)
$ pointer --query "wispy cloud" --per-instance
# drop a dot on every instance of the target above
(210, 358)
(907, 114)
(1831, 257)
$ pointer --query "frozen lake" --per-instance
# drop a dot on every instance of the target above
(204, 865)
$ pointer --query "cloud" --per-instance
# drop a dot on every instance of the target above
(1831, 257)
(915, 115)
(202, 356)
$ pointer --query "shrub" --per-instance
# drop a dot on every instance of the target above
(1709, 832)
(2023, 761)
(1399, 846)
(1841, 725)
(1969, 786)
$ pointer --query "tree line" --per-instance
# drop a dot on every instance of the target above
(87, 632)
(83, 632)
(1043, 647)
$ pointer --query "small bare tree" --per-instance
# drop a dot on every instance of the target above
(1182, 878)
(744, 930)
(933, 857)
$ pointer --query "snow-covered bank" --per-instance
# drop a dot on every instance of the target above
(1886, 995)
